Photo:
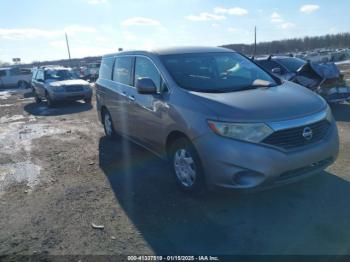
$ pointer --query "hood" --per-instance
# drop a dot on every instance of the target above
(73, 82)
(283, 102)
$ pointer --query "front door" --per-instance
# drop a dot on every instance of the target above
(147, 111)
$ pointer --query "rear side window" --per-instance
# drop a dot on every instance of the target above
(106, 68)
(122, 70)
(145, 68)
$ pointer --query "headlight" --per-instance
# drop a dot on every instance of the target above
(255, 132)
(329, 114)
(57, 88)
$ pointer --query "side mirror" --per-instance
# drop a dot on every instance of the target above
(145, 85)
(277, 71)
(40, 80)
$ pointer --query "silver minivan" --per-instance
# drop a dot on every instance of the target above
(219, 118)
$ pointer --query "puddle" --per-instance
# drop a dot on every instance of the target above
(19, 173)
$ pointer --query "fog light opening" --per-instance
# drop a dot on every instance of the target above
(247, 178)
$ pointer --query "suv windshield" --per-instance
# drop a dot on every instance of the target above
(292, 64)
(216, 72)
(60, 75)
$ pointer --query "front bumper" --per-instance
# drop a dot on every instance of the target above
(234, 164)
(71, 96)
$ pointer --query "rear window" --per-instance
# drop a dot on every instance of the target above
(106, 68)
(292, 64)
(269, 65)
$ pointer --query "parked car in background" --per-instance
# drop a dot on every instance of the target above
(324, 79)
(90, 71)
(56, 84)
(221, 120)
(15, 77)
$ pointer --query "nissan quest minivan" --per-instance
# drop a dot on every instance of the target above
(219, 118)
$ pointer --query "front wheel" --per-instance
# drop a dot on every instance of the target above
(50, 102)
(88, 100)
(37, 98)
(186, 166)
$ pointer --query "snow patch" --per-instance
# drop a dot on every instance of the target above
(18, 173)
(18, 136)
(8, 119)
(6, 94)
(6, 105)
(343, 62)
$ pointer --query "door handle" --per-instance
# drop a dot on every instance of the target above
(124, 93)
(132, 98)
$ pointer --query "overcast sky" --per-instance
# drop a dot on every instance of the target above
(34, 30)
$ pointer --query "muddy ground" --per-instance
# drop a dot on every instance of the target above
(58, 175)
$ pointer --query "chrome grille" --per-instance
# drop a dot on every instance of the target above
(293, 138)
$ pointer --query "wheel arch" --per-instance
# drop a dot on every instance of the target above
(172, 137)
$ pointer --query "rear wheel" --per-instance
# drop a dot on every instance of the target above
(186, 166)
(22, 84)
(108, 124)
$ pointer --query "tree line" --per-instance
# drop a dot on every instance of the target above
(341, 40)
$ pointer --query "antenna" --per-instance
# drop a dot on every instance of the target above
(68, 48)
(255, 41)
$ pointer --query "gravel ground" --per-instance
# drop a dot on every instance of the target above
(59, 176)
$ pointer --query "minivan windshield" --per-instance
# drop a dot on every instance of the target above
(60, 75)
(216, 72)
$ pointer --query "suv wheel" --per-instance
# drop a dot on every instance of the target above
(186, 166)
(50, 103)
(108, 124)
(22, 85)
(37, 98)
(88, 100)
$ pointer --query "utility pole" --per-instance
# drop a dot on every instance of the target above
(68, 48)
(255, 41)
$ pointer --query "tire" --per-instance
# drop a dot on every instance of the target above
(88, 100)
(22, 85)
(50, 102)
(187, 167)
(37, 98)
(108, 125)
